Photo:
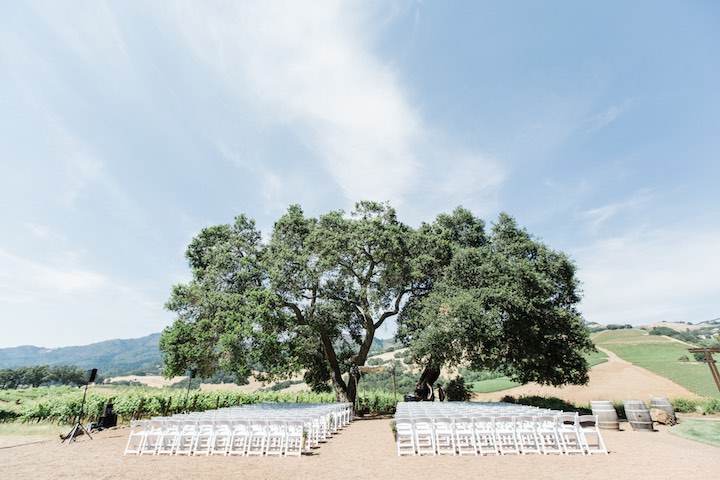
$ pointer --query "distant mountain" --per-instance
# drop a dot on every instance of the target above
(111, 357)
(134, 356)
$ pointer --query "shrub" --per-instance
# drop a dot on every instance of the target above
(8, 415)
(553, 403)
(457, 391)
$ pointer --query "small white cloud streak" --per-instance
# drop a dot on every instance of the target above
(37, 279)
(609, 115)
(597, 216)
(648, 276)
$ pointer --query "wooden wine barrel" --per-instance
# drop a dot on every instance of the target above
(638, 415)
(664, 404)
(606, 413)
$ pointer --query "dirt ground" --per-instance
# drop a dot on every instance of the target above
(615, 379)
(365, 450)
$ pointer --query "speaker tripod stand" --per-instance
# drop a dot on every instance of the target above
(78, 428)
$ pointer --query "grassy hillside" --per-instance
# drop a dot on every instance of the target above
(661, 355)
(499, 383)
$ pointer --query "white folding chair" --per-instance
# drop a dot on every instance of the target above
(153, 432)
(168, 438)
(548, 436)
(485, 435)
(275, 438)
(589, 430)
(186, 436)
(424, 436)
(569, 431)
(221, 439)
(294, 437)
(256, 439)
(505, 434)
(526, 434)
(464, 436)
(405, 438)
(239, 437)
(444, 436)
(204, 437)
(136, 438)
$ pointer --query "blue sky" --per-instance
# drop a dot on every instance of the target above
(126, 127)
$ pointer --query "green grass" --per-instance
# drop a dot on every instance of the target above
(700, 430)
(659, 355)
(504, 383)
(493, 385)
(30, 429)
(596, 358)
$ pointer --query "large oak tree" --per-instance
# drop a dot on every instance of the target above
(312, 297)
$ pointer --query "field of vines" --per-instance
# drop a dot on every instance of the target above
(62, 404)
(663, 356)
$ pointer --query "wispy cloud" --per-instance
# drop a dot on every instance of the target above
(652, 275)
(314, 70)
(598, 215)
(609, 115)
(44, 300)
(38, 280)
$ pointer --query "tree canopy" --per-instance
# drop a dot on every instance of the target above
(507, 305)
(311, 298)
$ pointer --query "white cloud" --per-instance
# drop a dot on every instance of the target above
(33, 279)
(312, 69)
(53, 303)
(652, 275)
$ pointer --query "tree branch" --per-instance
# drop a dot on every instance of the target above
(296, 310)
(394, 311)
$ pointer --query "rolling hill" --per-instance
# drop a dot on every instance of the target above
(111, 357)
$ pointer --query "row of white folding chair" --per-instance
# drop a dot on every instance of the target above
(190, 433)
(216, 436)
(563, 433)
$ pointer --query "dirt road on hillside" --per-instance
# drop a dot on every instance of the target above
(616, 379)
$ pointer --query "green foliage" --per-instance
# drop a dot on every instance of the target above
(505, 303)
(8, 415)
(704, 406)
(553, 403)
(309, 300)
(38, 375)
(686, 336)
(614, 326)
(383, 381)
(376, 402)
(133, 403)
(457, 391)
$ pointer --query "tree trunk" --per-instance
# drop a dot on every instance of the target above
(423, 389)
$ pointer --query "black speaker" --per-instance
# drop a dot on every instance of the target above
(91, 375)
(191, 373)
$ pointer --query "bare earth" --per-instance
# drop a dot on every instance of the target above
(366, 450)
(615, 379)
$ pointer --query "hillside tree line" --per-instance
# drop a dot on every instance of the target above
(40, 375)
